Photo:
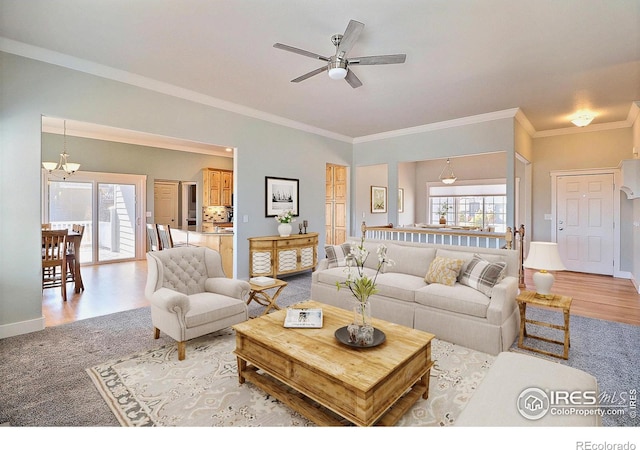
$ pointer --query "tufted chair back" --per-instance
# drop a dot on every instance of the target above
(183, 269)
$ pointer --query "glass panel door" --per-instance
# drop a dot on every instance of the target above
(116, 221)
(71, 202)
(110, 206)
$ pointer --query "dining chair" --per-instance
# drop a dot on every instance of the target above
(54, 254)
(73, 255)
(153, 241)
(164, 234)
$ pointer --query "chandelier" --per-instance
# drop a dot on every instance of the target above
(62, 169)
(447, 176)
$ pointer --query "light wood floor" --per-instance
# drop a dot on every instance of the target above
(120, 286)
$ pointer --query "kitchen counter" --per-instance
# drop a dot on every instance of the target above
(207, 235)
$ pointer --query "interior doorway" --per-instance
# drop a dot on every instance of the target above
(165, 203)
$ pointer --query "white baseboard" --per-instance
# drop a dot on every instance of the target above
(18, 328)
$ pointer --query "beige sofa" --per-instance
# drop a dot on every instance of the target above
(459, 314)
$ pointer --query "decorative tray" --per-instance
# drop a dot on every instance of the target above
(342, 335)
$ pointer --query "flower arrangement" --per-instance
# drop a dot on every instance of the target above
(361, 285)
(285, 217)
(444, 209)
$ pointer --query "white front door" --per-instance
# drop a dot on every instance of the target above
(584, 222)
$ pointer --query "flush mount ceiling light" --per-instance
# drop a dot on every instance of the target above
(583, 118)
(62, 169)
(447, 176)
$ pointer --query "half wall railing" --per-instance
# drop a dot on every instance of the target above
(512, 240)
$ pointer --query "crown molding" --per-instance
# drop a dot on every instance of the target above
(100, 70)
(587, 129)
(487, 117)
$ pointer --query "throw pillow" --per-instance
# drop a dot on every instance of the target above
(482, 275)
(443, 271)
(337, 254)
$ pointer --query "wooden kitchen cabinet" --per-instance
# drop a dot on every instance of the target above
(275, 255)
(217, 187)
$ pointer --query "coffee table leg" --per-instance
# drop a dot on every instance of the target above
(242, 366)
(424, 381)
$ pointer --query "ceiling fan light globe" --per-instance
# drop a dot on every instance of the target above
(337, 73)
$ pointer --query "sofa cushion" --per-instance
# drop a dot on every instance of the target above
(400, 286)
(457, 298)
(337, 254)
(443, 271)
(410, 260)
(339, 274)
(482, 275)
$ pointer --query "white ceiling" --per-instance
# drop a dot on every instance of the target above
(464, 58)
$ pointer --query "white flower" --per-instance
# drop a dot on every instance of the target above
(285, 217)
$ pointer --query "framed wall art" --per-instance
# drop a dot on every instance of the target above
(378, 199)
(281, 194)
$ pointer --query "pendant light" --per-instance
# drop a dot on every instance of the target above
(62, 169)
(447, 176)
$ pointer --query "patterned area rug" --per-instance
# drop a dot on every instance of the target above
(153, 389)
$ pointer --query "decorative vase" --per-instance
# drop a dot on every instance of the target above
(443, 220)
(361, 330)
(284, 229)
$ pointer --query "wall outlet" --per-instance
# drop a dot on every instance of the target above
(245, 218)
(548, 217)
(148, 214)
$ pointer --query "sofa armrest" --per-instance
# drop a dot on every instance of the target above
(228, 286)
(503, 300)
(172, 301)
(323, 264)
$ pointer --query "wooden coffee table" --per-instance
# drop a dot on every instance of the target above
(366, 386)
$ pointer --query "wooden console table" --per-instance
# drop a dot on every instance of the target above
(274, 255)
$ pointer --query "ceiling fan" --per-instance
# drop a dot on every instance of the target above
(339, 64)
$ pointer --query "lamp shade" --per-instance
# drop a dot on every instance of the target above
(544, 256)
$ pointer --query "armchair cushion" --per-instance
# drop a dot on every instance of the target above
(202, 312)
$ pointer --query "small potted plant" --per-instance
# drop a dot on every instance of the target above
(444, 208)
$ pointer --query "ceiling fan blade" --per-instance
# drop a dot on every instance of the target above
(352, 79)
(349, 37)
(309, 75)
(379, 59)
(300, 51)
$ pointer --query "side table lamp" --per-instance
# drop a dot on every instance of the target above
(543, 256)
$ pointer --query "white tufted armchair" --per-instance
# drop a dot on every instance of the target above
(190, 295)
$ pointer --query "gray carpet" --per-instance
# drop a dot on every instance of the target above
(44, 382)
(607, 350)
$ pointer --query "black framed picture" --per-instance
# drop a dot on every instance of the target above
(281, 194)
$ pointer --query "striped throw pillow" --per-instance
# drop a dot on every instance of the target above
(482, 275)
(337, 254)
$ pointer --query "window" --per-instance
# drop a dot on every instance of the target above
(477, 206)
